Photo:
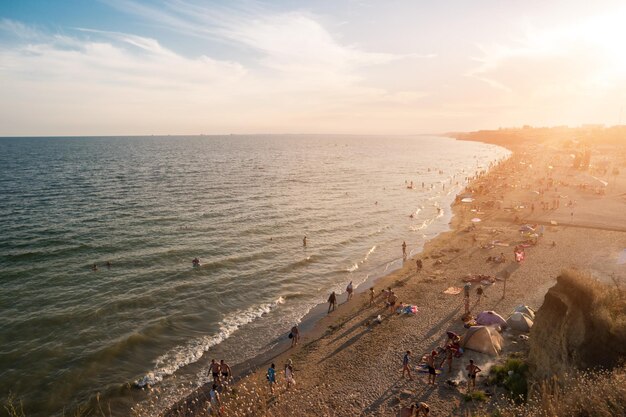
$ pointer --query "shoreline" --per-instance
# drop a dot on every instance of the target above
(314, 324)
(336, 358)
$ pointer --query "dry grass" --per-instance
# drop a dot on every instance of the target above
(606, 304)
(598, 394)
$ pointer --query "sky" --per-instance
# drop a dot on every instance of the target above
(133, 67)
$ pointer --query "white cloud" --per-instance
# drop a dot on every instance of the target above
(122, 81)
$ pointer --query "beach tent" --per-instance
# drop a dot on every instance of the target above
(520, 322)
(489, 318)
(525, 310)
(482, 339)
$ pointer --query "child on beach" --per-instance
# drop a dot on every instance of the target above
(405, 364)
(289, 374)
(271, 377)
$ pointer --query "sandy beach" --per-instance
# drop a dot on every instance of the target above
(348, 365)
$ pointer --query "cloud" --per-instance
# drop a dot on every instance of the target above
(578, 58)
(121, 80)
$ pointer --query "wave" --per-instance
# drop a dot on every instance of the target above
(369, 253)
(422, 226)
(191, 352)
(355, 265)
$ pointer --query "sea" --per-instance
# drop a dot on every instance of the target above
(144, 327)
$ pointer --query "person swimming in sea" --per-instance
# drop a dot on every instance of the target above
(195, 262)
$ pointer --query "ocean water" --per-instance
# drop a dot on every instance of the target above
(149, 205)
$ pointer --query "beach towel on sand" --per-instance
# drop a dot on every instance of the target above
(452, 291)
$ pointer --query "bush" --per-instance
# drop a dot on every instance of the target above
(476, 396)
(512, 375)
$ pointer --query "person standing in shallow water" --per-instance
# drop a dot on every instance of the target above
(332, 301)
(304, 242)
(404, 249)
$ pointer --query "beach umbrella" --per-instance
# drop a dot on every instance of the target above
(476, 220)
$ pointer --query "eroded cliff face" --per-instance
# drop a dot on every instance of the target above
(574, 330)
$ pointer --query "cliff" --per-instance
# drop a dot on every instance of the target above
(580, 326)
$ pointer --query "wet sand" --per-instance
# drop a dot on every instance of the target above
(345, 367)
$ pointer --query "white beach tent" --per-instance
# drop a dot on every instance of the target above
(525, 310)
(482, 339)
(520, 322)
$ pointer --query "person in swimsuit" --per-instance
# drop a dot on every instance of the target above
(225, 371)
(372, 295)
(404, 249)
(271, 377)
(215, 371)
(393, 298)
(304, 241)
(332, 301)
(295, 335)
(432, 373)
(405, 364)
(472, 371)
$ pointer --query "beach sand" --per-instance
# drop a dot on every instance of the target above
(344, 367)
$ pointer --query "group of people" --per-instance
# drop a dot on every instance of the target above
(332, 298)
(289, 378)
(430, 360)
(221, 374)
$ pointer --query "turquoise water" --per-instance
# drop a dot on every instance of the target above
(148, 205)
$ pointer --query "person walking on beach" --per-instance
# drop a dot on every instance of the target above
(216, 403)
(404, 249)
(332, 301)
(472, 371)
(271, 377)
(295, 335)
(225, 372)
(391, 301)
(289, 374)
(349, 290)
(479, 294)
(432, 372)
(215, 371)
(405, 365)
(372, 295)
